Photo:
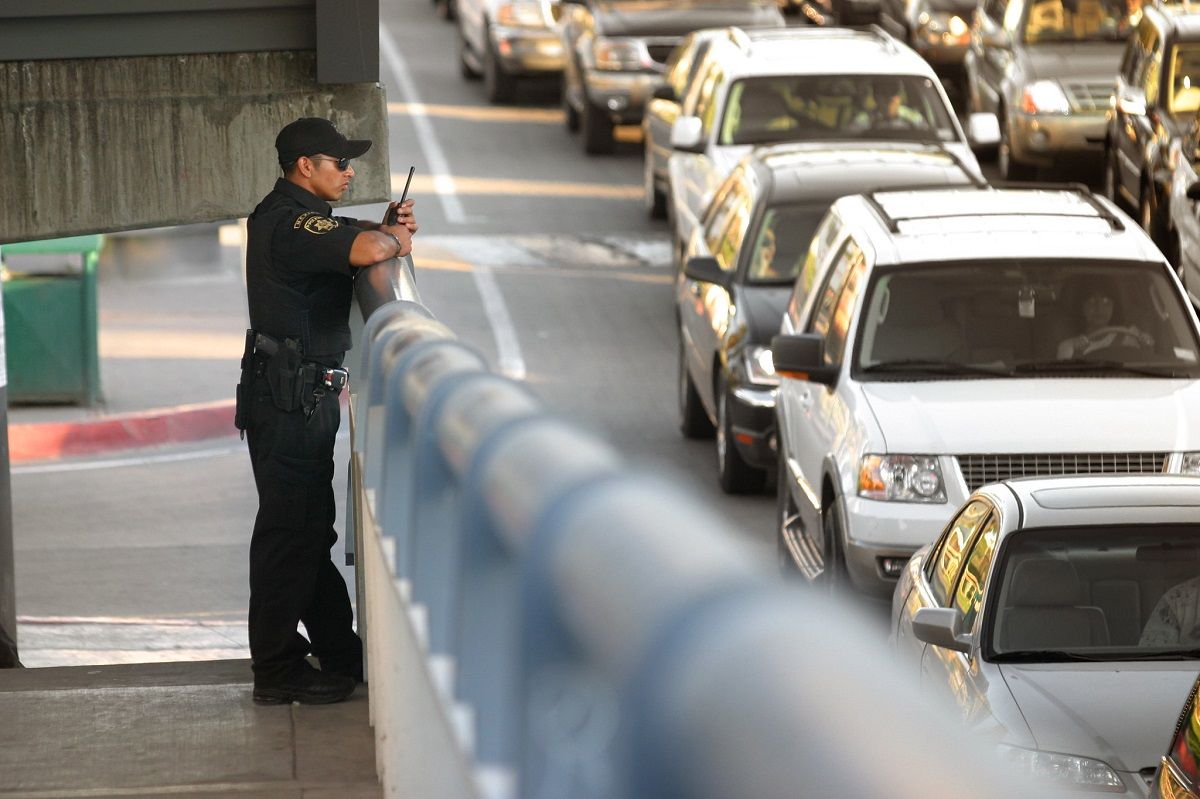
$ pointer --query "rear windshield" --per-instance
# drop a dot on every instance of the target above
(1079, 21)
(1184, 79)
(1025, 319)
(1104, 593)
(835, 107)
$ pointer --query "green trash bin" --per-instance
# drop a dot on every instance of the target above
(50, 320)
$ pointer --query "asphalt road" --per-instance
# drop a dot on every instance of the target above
(539, 256)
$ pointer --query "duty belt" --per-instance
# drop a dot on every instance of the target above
(318, 375)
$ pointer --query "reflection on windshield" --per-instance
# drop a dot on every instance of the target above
(1079, 20)
(782, 242)
(1026, 319)
(828, 107)
(1099, 594)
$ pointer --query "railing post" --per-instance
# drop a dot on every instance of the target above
(8, 593)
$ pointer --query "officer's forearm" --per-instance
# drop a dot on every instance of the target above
(372, 246)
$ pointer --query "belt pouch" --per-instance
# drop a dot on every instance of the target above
(241, 413)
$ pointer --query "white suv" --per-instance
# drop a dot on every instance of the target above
(768, 86)
(939, 340)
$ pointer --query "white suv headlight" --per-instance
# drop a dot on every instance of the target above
(1044, 97)
(620, 54)
(901, 478)
(521, 14)
(1066, 771)
(1190, 463)
(760, 366)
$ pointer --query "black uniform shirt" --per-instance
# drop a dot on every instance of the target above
(298, 273)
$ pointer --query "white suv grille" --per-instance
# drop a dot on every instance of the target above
(979, 470)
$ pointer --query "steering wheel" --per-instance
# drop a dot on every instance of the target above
(1140, 340)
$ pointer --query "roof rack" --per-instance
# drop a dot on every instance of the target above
(893, 223)
(739, 38)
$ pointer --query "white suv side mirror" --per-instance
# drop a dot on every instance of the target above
(687, 134)
(983, 130)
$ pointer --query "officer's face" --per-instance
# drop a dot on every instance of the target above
(328, 182)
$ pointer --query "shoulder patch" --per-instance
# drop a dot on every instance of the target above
(314, 223)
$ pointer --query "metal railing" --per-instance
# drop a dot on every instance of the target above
(542, 620)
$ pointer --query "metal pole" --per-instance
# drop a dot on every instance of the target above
(8, 594)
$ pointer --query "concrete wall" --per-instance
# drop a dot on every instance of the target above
(98, 145)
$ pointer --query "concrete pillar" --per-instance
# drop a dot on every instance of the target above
(8, 594)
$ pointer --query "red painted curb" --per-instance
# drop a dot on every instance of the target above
(50, 440)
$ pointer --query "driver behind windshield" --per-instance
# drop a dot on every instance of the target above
(883, 107)
(1176, 617)
(1099, 331)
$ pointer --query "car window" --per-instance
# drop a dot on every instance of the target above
(1077, 21)
(1025, 319)
(968, 593)
(730, 242)
(839, 325)
(706, 106)
(822, 240)
(717, 216)
(700, 91)
(944, 568)
(835, 278)
(679, 66)
(1103, 592)
(781, 240)
(1183, 79)
(827, 107)
(994, 9)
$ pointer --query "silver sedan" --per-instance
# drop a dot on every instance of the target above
(1062, 617)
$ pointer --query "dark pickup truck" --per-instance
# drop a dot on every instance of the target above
(616, 54)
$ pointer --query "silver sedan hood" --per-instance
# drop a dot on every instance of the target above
(1085, 61)
(1120, 713)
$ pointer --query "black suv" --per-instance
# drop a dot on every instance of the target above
(616, 54)
(752, 243)
(1157, 97)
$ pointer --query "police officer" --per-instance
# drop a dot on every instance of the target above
(300, 265)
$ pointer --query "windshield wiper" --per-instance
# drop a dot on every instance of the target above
(927, 366)
(1096, 365)
(1046, 656)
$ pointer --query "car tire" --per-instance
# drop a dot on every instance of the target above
(654, 200)
(785, 512)
(465, 69)
(1110, 176)
(499, 86)
(1149, 217)
(834, 577)
(733, 473)
(597, 130)
(570, 115)
(1010, 169)
(693, 421)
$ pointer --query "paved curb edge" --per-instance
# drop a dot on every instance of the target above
(51, 440)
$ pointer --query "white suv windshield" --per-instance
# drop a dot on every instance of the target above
(1105, 593)
(835, 107)
(1025, 319)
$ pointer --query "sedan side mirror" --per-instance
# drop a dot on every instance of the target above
(1193, 191)
(705, 269)
(1132, 100)
(802, 357)
(983, 130)
(665, 92)
(687, 134)
(941, 627)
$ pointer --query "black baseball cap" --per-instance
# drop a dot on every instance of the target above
(313, 135)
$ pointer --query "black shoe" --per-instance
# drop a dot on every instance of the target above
(306, 685)
(342, 669)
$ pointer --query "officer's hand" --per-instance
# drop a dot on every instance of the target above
(402, 233)
(404, 215)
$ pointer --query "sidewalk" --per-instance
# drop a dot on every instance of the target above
(175, 729)
(172, 311)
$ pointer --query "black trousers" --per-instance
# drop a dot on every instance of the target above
(292, 577)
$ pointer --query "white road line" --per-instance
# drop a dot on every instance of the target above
(451, 206)
(508, 348)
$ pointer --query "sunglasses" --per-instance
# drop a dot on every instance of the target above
(342, 164)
